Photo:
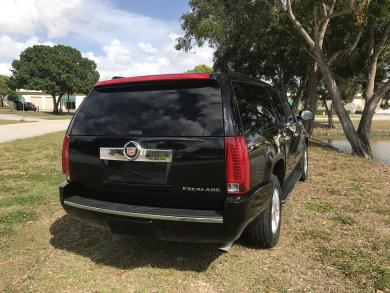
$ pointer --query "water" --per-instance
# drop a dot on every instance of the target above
(380, 147)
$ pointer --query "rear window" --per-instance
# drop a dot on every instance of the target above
(155, 110)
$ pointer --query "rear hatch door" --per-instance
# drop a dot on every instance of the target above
(157, 144)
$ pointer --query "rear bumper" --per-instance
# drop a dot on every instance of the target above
(168, 224)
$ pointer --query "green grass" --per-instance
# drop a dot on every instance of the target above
(3, 121)
(378, 128)
(26, 180)
(8, 221)
(40, 115)
(345, 220)
(383, 279)
(24, 200)
(334, 236)
(355, 263)
(313, 234)
(382, 210)
(319, 205)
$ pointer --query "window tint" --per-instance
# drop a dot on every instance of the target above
(187, 110)
(254, 106)
(282, 108)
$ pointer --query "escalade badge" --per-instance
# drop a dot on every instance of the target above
(131, 150)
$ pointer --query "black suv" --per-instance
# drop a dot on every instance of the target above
(184, 157)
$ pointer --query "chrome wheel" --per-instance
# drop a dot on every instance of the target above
(275, 211)
(305, 164)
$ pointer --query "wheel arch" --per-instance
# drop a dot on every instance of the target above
(279, 170)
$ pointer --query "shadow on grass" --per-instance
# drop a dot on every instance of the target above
(123, 252)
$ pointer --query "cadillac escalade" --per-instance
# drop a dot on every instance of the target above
(184, 157)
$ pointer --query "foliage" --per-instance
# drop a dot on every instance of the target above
(201, 68)
(55, 70)
(257, 38)
(4, 88)
(251, 37)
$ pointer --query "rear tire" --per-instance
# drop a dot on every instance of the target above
(304, 166)
(264, 231)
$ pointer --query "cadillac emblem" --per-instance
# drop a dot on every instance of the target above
(131, 150)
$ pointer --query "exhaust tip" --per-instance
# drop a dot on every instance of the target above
(226, 246)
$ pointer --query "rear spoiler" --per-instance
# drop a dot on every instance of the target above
(151, 78)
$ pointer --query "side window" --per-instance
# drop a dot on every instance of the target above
(254, 105)
(283, 110)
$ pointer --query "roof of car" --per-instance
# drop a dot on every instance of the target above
(150, 78)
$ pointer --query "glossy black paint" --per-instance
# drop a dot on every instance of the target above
(237, 213)
(197, 162)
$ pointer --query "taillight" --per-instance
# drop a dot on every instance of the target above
(237, 165)
(65, 157)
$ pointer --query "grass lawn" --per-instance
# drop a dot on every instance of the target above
(41, 115)
(378, 128)
(335, 236)
(3, 121)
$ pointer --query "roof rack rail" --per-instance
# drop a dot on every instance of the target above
(116, 77)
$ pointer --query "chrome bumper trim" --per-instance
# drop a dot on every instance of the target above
(214, 220)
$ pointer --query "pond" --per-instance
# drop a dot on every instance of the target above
(380, 147)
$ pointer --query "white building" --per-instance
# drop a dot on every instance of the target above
(44, 101)
(356, 106)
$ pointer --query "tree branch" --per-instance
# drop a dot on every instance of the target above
(347, 51)
(347, 10)
(382, 42)
(325, 22)
(379, 94)
(373, 61)
(298, 25)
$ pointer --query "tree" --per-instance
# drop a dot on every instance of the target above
(359, 21)
(4, 88)
(250, 37)
(201, 68)
(254, 38)
(55, 70)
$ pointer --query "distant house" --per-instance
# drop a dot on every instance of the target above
(356, 106)
(44, 102)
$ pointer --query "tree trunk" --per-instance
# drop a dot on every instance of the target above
(360, 147)
(372, 97)
(301, 91)
(2, 101)
(369, 111)
(311, 97)
(56, 102)
(329, 113)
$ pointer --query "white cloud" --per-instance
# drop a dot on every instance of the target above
(120, 42)
(25, 17)
(147, 48)
(11, 49)
(118, 60)
(5, 69)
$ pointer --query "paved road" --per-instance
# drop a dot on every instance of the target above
(9, 132)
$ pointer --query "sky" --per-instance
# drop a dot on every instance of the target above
(124, 37)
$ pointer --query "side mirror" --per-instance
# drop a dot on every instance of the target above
(306, 115)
